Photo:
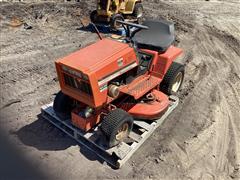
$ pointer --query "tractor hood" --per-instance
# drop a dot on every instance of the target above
(101, 58)
(85, 74)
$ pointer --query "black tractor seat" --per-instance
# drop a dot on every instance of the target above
(158, 37)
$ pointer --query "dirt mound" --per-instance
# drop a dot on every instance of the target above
(200, 140)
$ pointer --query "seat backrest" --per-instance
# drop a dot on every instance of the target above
(158, 37)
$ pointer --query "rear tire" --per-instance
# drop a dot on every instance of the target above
(114, 18)
(62, 105)
(173, 79)
(116, 126)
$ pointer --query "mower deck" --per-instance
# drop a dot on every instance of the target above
(95, 141)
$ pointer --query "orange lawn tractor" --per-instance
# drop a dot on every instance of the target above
(111, 83)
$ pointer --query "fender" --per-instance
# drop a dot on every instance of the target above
(161, 64)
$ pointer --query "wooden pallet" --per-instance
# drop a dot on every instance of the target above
(95, 141)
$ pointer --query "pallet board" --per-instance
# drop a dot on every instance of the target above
(95, 141)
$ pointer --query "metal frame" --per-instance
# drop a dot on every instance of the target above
(95, 141)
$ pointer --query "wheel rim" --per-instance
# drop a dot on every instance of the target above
(122, 132)
(177, 82)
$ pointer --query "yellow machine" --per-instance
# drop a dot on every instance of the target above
(108, 11)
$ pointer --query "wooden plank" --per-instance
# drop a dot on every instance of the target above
(121, 150)
(143, 124)
(136, 137)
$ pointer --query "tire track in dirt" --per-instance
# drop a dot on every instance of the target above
(37, 62)
(232, 98)
(41, 42)
(222, 138)
(199, 158)
(218, 74)
(226, 136)
(22, 75)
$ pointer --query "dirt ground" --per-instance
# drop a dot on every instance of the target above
(200, 139)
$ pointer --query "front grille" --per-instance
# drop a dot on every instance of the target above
(77, 84)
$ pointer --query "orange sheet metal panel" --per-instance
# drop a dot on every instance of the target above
(152, 110)
(94, 56)
(141, 86)
(84, 123)
(166, 59)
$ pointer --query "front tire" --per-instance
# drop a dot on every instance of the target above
(173, 79)
(116, 126)
(62, 105)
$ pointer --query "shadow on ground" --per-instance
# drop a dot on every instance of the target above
(45, 137)
(14, 161)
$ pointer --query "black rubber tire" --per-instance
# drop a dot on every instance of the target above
(93, 16)
(112, 122)
(62, 105)
(169, 78)
(113, 23)
(138, 8)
